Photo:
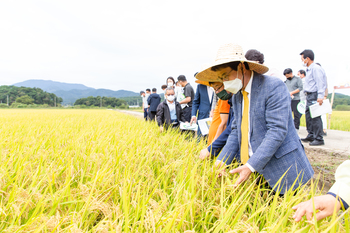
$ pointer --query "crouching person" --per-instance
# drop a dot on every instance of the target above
(169, 112)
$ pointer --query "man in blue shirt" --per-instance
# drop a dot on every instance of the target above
(314, 89)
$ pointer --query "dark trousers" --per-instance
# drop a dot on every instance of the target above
(145, 113)
(313, 125)
(187, 112)
(296, 113)
(152, 115)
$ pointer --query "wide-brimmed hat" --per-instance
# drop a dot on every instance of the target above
(206, 83)
(229, 53)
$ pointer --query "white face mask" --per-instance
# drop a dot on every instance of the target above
(170, 84)
(233, 86)
(304, 64)
(170, 98)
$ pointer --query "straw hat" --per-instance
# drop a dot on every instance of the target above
(229, 53)
(206, 83)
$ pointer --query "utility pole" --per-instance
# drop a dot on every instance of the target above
(101, 102)
(55, 101)
(7, 100)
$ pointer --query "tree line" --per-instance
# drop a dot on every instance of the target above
(101, 101)
(341, 102)
(27, 95)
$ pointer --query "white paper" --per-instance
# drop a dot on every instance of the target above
(204, 125)
(301, 107)
(180, 98)
(188, 126)
(318, 110)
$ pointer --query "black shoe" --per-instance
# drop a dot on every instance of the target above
(324, 133)
(307, 139)
(316, 143)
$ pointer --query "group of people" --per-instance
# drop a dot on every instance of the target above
(312, 90)
(176, 107)
(253, 123)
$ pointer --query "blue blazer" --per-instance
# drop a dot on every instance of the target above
(277, 149)
(201, 102)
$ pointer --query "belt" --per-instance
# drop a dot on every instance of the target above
(309, 93)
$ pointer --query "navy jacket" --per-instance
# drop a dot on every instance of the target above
(153, 100)
(277, 150)
(201, 102)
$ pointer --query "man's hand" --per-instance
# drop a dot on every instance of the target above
(211, 114)
(193, 120)
(320, 101)
(325, 205)
(161, 129)
(244, 173)
(204, 154)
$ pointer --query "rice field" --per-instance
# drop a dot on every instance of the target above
(104, 171)
(340, 120)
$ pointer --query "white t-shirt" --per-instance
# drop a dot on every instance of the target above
(144, 100)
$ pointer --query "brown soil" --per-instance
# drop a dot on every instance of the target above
(325, 164)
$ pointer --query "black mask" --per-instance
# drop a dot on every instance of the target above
(223, 95)
(289, 78)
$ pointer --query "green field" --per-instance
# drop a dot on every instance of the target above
(340, 120)
(104, 171)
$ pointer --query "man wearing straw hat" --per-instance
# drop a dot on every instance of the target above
(263, 129)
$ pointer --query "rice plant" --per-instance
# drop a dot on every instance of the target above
(104, 171)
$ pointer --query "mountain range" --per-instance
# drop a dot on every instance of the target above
(70, 92)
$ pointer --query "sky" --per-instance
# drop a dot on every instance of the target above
(134, 45)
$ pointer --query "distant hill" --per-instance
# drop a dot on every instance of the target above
(70, 92)
(51, 86)
(339, 99)
(69, 97)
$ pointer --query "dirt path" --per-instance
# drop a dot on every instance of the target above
(134, 113)
(324, 159)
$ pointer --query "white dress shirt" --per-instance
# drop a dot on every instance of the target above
(171, 105)
(210, 91)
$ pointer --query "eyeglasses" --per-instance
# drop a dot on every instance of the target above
(224, 76)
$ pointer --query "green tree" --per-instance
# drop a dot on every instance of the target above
(25, 99)
(38, 95)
